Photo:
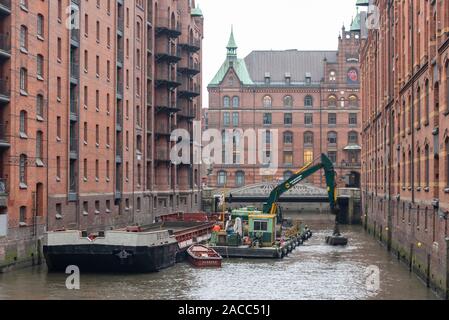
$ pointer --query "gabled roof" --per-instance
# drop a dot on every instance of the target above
(240, 69)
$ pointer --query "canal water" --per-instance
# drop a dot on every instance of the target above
(312, 271)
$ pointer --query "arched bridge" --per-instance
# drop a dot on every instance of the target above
(259, 193)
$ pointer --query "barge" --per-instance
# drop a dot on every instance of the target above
(125, 250)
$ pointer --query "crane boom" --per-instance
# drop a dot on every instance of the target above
(271, 206)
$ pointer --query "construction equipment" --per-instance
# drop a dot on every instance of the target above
(272, 207)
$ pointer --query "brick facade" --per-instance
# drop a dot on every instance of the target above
(405, 157)
(290, 86)
(80, 108)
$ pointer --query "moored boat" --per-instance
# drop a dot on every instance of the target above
(204, 257)
(128, 250)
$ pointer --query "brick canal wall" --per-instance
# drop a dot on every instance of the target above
(416, 235)
(22, 248)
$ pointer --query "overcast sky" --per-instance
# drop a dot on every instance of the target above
(270, 24)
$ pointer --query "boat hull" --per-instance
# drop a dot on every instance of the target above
(205, 263)
(110, 258)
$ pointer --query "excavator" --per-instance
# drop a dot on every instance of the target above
(272, 207)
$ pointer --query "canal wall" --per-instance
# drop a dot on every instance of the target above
(414, 233)
(22, 248)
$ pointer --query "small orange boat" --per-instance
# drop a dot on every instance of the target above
(204, 257)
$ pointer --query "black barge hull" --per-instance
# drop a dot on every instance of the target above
(110, 258)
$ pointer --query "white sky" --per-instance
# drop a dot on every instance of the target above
(270, 24)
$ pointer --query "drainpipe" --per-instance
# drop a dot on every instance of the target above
(412, 106)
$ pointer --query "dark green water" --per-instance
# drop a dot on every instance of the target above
(312, 271)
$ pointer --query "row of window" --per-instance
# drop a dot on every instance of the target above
(288, 119)
(332, 101)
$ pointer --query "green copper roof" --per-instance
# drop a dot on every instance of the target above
(196, 12)
(355, 25)
(231, 42)
(232, 61)
(240, 69)
(362, 3)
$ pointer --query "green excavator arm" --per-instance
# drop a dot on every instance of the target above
(271, 207)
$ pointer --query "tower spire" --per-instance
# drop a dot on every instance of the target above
(232, 46)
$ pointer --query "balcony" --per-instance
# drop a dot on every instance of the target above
(5, 7)
(168, 81)
(73, 148)
(169, 108)
(75, 37)
(169, 55)
(120, 25)
(120, 57)
(5, 46)
(193, 45)
(349, 165)
(74, 72)
(168, 28)
(119, 89)
(73, 109)
(119, 120)
(5, 93)
(190, 69)
(188, 92)
(4, 138)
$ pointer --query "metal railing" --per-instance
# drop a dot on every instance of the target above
(74, 70)
(165, 23)
(6, 4)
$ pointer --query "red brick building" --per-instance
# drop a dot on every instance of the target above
(89, 93)
(405, 158)
(310, 97)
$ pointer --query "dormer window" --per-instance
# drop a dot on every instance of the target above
(308, 78)
(288, 78)
(267, 78)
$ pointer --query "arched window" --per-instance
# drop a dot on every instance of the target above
(427, 166)
(23, 38)
(267, 103)
(308, 101)
(240, 178)
(447, 85)
(40, 106)
(446, 149)
(353, 101)
(288, 101)
(353, 137)
(427, 103)
(22, 214)
(332, 102)
(332, 137)
(308, 138)
(23, 170)
(332, 76)
(418, 107)
(226, 102)
(23, 80)
(236, 102)
(39, 145)
(23, 125)
(418, 169)
(288, 137)
(222, 176)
